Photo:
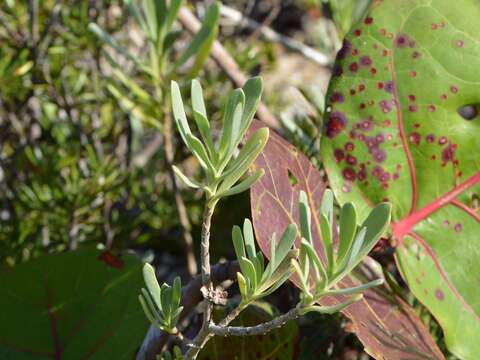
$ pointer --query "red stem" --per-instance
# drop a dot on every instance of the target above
(406, 225)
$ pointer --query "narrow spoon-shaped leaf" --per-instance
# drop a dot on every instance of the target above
(348, 227)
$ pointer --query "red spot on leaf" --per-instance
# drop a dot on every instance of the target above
(439, 294)
(353, 67)
(349, 174)
(458, 227)
(339, 155)
(336, 124)
(110, 259)
(414, 138)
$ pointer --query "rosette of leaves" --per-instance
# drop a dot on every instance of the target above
(222, 170)
(255, 279)
(320, 278)
(161, 304)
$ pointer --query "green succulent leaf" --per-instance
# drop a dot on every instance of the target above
(242, 286)
(285, 244)
(198, 104)
(245, 158)
(189, 182)
(249, 272)
(253, 92)
(179, 111)
(231, 124)
(238, 243)
(249, 238)
(243, 185)
(198, 149)
(348, 227)
(355, 289)
(326, 230)
(334, 308)
(305, 217)
(150, 279)
(327, 205)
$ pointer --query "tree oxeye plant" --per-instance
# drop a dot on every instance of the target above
(225, 169)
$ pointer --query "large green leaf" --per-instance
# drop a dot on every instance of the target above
(75, 305)
(394, 132)
(384, 323)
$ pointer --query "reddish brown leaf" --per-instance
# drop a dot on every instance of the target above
(387, 326)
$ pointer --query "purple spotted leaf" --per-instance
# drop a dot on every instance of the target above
(386, 325)
(403, 126)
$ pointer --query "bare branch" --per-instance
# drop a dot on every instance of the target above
(260, 329)
(271, 35)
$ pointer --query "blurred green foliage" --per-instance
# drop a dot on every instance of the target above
(68, 151)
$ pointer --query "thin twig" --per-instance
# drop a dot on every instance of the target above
(204, 333)
(219, 330)
(227, 63)
(271, 35)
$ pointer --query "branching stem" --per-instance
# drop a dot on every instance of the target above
(260, 329)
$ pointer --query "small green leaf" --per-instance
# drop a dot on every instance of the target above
(242, 285)
(198, 104)
(190, 183)
(248, 270)
(198, 149)
(301, 275)
(204, 128)
(147, 311)
(285, 244)
(179, 111)
(327, 241)
(231, 123)
(249, 238)
(151, 282)
(279, 275)
(253, 92)
(305, 216)
(356, 289)
(245, 158)
(320, 271)
(376, 224)
(332, 309)
(166, 300)
(348, 227)
(327, 205)
(243, 185)
(176, 292)
(238, 243)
